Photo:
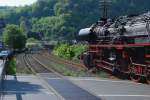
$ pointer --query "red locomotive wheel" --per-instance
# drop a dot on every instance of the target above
(148, 79)
(135, 77)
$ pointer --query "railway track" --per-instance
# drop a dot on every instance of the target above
(21, 65)
(56, 82)
(34, 65)
(62, 67)
(75, 66)
(65, 62)
(38, 69)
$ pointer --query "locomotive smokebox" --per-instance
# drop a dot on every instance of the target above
(86, 34)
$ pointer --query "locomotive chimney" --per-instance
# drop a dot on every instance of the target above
(104, 6)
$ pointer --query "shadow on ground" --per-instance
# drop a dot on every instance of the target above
(15, 87)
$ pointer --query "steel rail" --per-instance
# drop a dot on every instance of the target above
(29, 65)
(65, 62)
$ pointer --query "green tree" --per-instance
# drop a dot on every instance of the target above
(50, 26)
(23, 27)
(14, 37)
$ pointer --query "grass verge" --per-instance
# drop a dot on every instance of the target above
(11, 66)
(66, 71)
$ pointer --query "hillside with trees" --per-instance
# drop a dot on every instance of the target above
(62, 19)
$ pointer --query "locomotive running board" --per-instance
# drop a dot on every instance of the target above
(119, 45)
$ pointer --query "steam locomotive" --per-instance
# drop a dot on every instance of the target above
(119, 46)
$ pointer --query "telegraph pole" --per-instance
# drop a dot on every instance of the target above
(104, 6)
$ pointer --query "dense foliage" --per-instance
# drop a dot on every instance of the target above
(14, 37)
(69, 51)
(63, 18)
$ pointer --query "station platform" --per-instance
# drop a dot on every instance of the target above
(108, 89)
(27, 87)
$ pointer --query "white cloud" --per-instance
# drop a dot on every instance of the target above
(16, 2)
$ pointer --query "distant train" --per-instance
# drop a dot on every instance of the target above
(119, 46)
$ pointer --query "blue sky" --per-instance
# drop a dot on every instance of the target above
(16, 2)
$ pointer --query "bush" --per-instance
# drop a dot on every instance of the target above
(69, 51)
(78, 49)
(11, 66)
(64, 51)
